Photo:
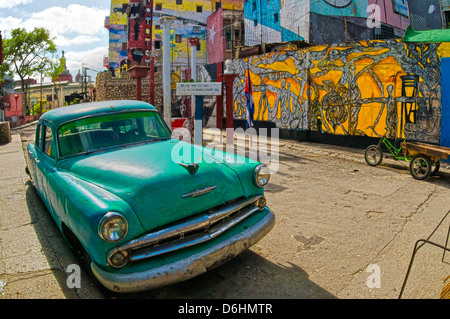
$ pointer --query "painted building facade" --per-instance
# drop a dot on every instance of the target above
(322, 21)
(116, 23)
(225, 33)
(190, 22)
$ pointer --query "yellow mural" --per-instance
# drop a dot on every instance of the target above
(369, 88)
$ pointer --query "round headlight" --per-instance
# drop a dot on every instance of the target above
(112, 227)
(261, 175)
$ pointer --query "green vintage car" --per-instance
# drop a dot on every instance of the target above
(144, 210)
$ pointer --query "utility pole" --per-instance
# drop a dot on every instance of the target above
(167, 23)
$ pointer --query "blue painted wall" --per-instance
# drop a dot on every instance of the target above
(267, 13)
(345, 8)
(445, 115)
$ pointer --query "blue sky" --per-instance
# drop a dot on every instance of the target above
(77, 25)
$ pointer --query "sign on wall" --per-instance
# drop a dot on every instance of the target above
(199, 88)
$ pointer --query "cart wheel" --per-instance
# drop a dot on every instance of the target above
(435, 168)
(420, 167)
(373, 155)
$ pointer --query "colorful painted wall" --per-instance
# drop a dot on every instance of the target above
(118, 33)
(191, 23)
(229, 4)
(275, 21)
(367, 88)
(278, 21)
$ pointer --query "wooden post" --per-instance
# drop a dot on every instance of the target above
(219, 108)
(229, 80)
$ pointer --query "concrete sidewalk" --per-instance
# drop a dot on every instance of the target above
(29, 266)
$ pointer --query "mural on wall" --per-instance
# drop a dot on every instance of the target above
(191, 17)
(275, 21)
(357, 8)
(367, 88)
(118, 33)
(140, 15)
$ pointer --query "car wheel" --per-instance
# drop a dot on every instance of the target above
(373, 155)
(420, 167)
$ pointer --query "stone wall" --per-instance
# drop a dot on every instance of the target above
(110, 88)
(5, 132)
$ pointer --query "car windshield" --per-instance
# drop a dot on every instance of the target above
(100, 132)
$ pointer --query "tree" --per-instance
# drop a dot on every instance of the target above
(27, 53)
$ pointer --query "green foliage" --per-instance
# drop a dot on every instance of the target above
(37, 108)
(27, 53)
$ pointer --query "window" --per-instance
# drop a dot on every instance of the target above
(177, 38)
(447, 18)
(400, 7)
(199, 9)
(49, 149)
(104, 132)
(157, 27)
(218, 5)
(199, 46)
(157, 45)
(254, 6)
(38, 136)
(179, 1)
(158, 6)
(255, 22)
(275, 17)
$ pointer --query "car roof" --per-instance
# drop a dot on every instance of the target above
(75, 111)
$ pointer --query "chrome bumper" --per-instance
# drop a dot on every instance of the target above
(189, 267)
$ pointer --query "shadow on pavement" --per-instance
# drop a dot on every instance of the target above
(247, 276)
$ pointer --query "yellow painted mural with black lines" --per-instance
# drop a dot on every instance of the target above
(369, 88)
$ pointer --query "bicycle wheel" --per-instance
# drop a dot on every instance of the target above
(373, 155)
(420, 167)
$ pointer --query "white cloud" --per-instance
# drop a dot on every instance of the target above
(73, 26)
(62, 41)
(8, 4)
(65, 23)
(75, 18)
(91, 58)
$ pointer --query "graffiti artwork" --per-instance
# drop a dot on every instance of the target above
(367, 88)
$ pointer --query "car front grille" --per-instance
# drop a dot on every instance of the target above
(186, 233)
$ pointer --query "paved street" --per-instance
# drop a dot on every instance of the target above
(340, 223)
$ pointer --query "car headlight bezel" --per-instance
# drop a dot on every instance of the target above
(109, 220)
(261, 175)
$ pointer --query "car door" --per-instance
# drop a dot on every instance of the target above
(45, 168)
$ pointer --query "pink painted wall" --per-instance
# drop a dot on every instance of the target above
(15, 102)
(388, 15)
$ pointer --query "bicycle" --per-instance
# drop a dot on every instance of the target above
(374, 155)
(420, 165)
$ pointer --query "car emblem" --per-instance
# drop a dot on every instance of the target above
(191, 168)
(199, 192)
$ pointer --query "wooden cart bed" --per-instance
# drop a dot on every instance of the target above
(434, 151)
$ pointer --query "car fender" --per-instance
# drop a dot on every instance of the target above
(84, 206)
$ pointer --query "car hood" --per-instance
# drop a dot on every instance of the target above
(151, 180)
